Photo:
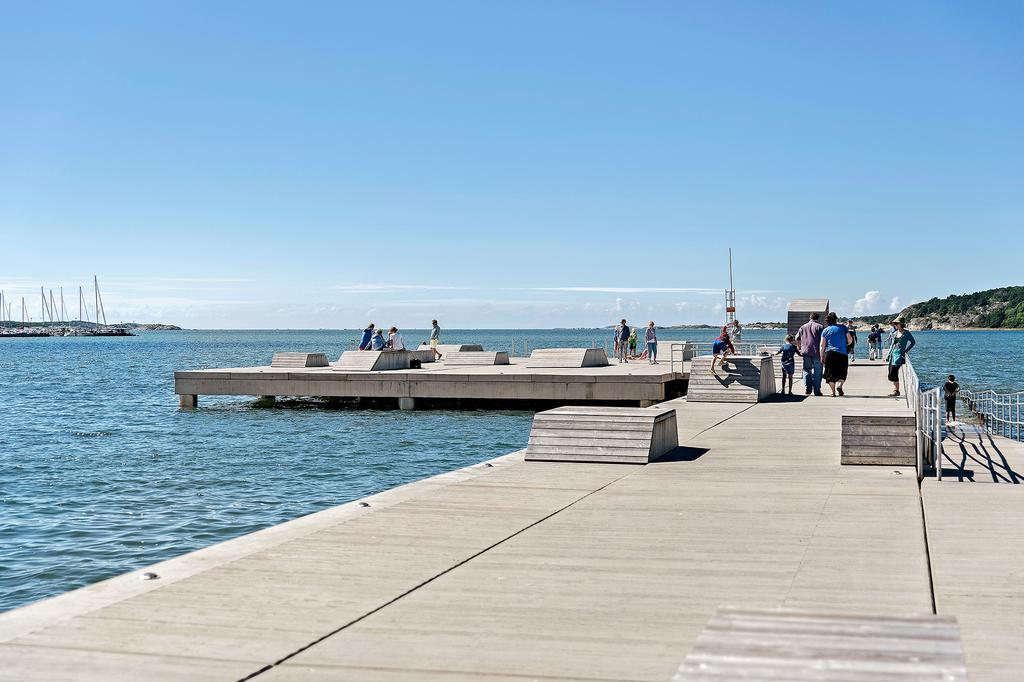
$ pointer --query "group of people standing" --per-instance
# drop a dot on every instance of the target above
(626, 341)
(373, 339)
(826, 352)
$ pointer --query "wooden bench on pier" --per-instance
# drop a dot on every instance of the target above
(772, 645)
(380, 360)
(743, 379)
(568, 357)
(299, 360)
(619, 435)
(476, 358)
(879, 438)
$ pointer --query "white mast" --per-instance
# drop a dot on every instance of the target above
(63, 310)
(3, 310)
(43, 306)
(23, 312)
(730, 296)
(53, 308)
(99, 301)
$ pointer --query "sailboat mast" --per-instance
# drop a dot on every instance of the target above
(63, 310)
(99, 301)
(730, 296)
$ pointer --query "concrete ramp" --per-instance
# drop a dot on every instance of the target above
(288, 359)
(619, 435)
(769, 646)
(476, 358)
(568, 357)
(743, 379)
(380, 360)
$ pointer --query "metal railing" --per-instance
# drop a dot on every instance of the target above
(999, 412)
(752, 347)
(927, 407)
(679, 352)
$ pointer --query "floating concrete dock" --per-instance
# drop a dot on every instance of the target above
(373, 375)
(514, 569)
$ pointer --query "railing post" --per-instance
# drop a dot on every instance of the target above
(938, 436)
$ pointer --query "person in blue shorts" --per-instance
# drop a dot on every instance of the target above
(721, 348)
(789, 352)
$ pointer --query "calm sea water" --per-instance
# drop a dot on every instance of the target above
(100, 473)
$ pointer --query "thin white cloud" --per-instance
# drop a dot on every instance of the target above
(636, 290)
(895, 305)
(372, 288)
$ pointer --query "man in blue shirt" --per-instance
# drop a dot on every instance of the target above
(623, 351)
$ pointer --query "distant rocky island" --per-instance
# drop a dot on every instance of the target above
(1001, 308)
(134, 326)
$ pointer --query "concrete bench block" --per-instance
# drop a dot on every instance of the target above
(568, 357)
(743, 379)
(288, 359)
(879, 438)
(476, 358)
(620, 435)
(380, 360)
(446, 348)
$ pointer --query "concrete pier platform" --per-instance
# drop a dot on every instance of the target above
(513, 569)
(634, 383)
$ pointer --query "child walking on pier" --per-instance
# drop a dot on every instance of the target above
(950, 390)
(789, 353)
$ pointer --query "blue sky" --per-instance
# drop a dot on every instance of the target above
(508, 165)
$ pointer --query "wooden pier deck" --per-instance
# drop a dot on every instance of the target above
(513, 570)
(636, 383)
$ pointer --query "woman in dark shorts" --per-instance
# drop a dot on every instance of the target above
(835, 341)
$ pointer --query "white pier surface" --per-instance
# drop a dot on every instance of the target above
(563, 571)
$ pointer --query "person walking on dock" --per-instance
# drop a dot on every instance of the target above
(623, 347)
(851, 349)
(788, 351)
(632, 344)
(875, 343)
(364, 342)
(902, 343)
(435, 338)
(721, 347)
(950, 390)
(651, 341)
(808, 340)
(835, 341)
